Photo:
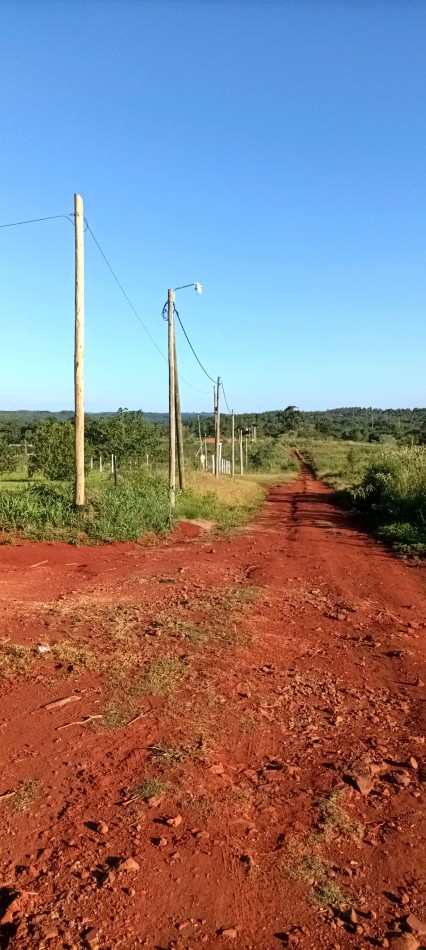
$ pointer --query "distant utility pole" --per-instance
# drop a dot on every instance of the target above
(179, 428)
(172, 417)
(217, 431)
(79, 353)
(246, 453)
(233, 446)
(241, 453)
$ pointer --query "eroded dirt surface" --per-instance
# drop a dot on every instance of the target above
(259, 747)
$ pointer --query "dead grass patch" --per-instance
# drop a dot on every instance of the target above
(14, 658)
(77, 657)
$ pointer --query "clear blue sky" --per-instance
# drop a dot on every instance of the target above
(274, 151)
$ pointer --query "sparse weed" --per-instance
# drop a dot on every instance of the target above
(149, 788)
(334, 820)
(166, 754)
(114, 716)
(14, 658)
(25, 795)
(314, 871)
(159, 676)
(78, 658)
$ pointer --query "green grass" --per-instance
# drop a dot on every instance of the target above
(138, 504)
(149, 788)
(159, 676)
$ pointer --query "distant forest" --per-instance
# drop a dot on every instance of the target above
(349, 423)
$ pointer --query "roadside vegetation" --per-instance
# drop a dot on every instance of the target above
(36, 481)
(384, 482)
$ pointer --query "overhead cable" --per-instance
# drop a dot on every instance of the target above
(131, 305)
(226, 401)
(51, 217)
(192, 348)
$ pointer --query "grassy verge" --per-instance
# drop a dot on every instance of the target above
(387, 485)
(228, 502)
(138, 504)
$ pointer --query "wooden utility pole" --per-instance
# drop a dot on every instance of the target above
(233, 446)
(241, 453)
(246, 453)
(179, 427)
(172, 417)
(79, 353)
(217, 432)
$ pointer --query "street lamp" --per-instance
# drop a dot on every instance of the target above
(174, 394)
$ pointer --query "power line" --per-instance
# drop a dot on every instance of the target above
(14, 224)
(192, 348)
(226, 401)
(131, 305)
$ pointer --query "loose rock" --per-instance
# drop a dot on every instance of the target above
(129, 864)
(174, 822)
(404, 942)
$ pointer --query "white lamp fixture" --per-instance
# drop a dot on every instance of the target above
(198, 288)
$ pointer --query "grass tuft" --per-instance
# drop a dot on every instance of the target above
(160, 676)
(79, 658)
(149, 788)
(26, 795)
(315, 871)
(334, 820)
(14, 659)
(166, 754)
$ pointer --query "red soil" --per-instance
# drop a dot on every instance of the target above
(314, 685)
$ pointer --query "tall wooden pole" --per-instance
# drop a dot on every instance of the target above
(241, 453)
(179, 427)
(172, 417)
(79, 353)
(217, 433)
(233, 446)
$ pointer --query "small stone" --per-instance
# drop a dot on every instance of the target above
(129, 864)
(174, 822)
(362, 783)
(155, 800)
(404, 898)
(400, 778)
(217, 769)
(411, 763)
(404, 942)
(91, 939)
(101, 827)
(415, 924)
(229, 933)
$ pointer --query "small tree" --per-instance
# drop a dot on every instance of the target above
(54, 450)
(7, 457)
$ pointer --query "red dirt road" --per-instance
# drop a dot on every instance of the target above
(289, 739)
